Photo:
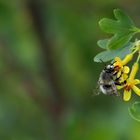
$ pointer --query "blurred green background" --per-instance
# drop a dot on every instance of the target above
(47, 74)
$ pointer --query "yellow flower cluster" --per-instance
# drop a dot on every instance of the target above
(127, 80)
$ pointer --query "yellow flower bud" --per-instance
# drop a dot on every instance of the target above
(126, 69)
(127, 58)
(127, 95)
(134, 71)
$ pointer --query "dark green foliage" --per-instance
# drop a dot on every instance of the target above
(26, 90)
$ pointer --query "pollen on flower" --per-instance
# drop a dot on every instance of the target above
(127, 87)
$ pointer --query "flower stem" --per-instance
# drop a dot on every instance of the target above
(136, 30)
(138, 57)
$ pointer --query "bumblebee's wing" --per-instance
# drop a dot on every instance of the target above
(96, 91)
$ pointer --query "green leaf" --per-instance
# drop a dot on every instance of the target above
(120, 40)
(122, 29)
(120, 15)
(109, 25)
(103, 43)
(111, 54)
(123, 23)
(134, 111)
(104, 56)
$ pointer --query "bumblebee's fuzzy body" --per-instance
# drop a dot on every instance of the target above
(106, 81)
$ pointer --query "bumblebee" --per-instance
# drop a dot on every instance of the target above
(107, 81)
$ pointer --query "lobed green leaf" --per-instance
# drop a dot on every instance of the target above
(121, 16)
(111, 54)
(103, 43)
(122, 28)
(120, 40)
(109, 25)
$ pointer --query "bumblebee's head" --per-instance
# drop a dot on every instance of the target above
(109, 68)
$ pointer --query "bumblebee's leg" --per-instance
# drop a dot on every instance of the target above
(120, 84)
(115, 76)
(118, 77)
(115, 73)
